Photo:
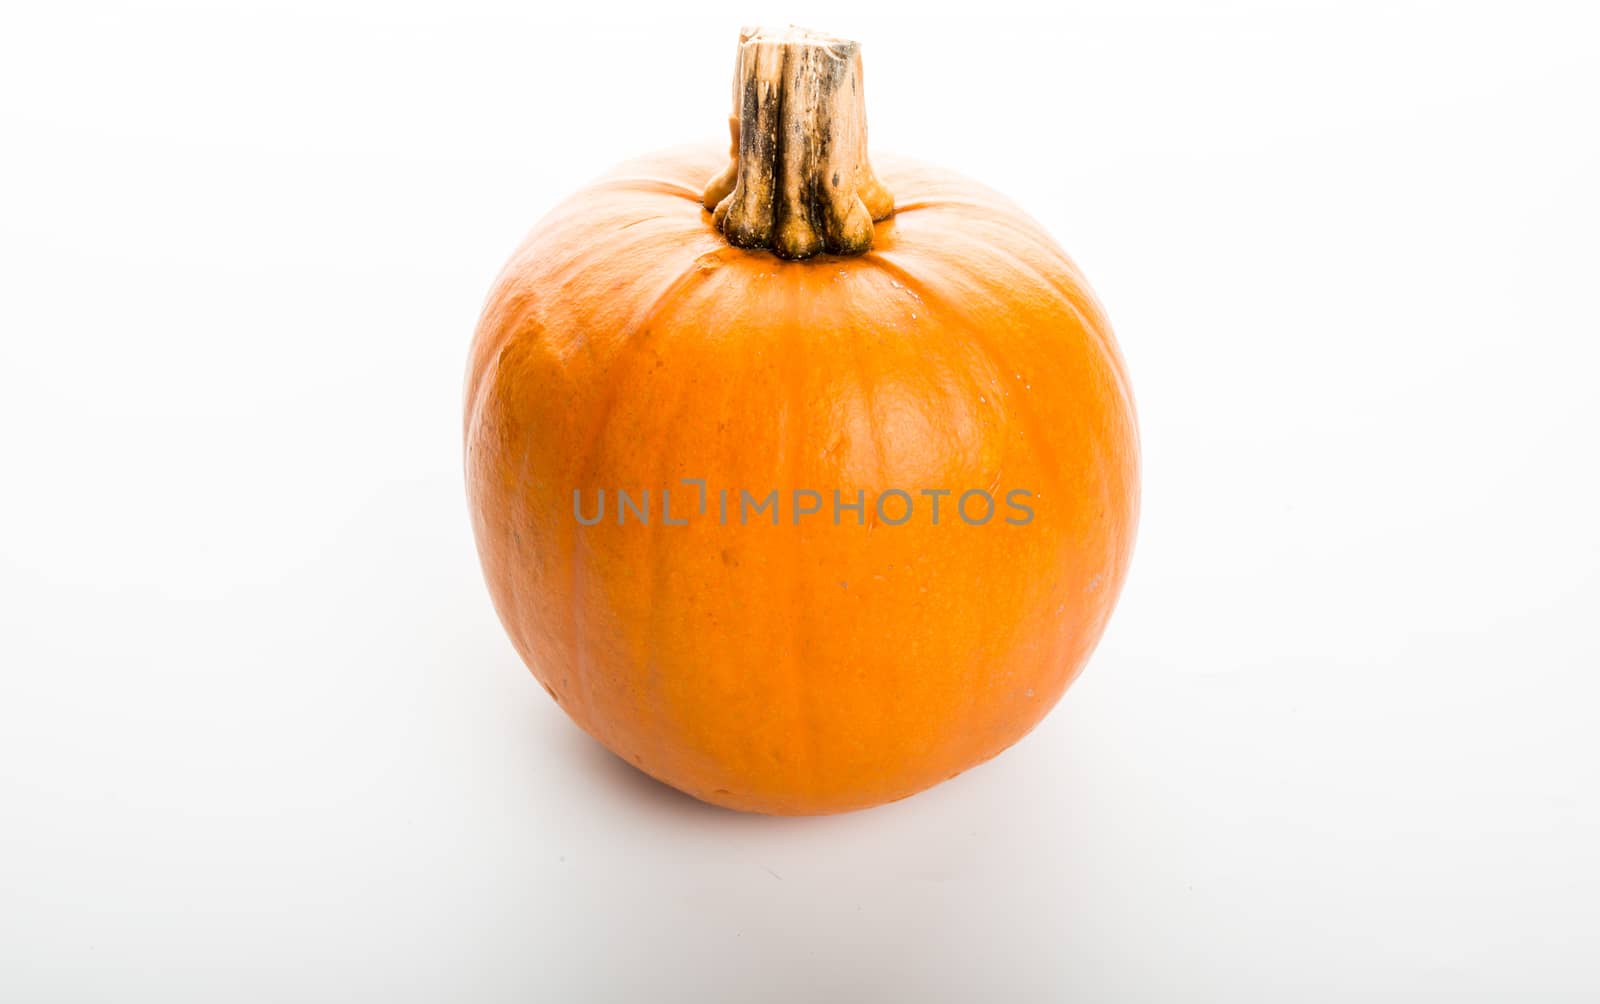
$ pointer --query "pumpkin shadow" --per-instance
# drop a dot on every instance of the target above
(628, 782)
(636, 791)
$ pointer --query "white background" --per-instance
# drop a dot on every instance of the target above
(263, 739)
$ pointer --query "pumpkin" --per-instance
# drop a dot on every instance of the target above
(808, 487)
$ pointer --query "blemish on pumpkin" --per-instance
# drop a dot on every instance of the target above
(729, 559)
(551, 691)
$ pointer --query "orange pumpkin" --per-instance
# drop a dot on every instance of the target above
(787, 413)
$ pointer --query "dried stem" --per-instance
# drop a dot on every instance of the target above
(800, 183)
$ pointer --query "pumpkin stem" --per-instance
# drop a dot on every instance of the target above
(799, 183)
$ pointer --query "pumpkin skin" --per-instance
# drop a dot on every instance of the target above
(807, 667)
